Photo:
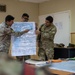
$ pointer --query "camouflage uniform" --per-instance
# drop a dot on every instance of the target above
(5, 37)
(46, 42)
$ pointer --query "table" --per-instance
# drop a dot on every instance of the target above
(63, 68)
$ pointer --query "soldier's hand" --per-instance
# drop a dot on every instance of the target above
(37, 32)
(27, 30)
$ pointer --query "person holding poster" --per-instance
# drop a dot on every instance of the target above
(5, 33)
(25, 18)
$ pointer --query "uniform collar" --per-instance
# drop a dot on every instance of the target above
(49, 25)
(7, 25)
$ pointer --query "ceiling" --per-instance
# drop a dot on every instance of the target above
(35, 1)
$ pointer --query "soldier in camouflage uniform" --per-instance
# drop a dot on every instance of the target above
(25, 18)
(5, 34)
(45, 38)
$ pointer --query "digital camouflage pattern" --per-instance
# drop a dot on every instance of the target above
(5, 37)
(46, 42)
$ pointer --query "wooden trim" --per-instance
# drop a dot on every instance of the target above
(60, 72)
(73, 37)
(73, 33)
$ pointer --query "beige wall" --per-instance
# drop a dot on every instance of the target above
(54, 6)
(17, 8)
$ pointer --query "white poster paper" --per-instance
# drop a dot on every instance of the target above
(26, 43)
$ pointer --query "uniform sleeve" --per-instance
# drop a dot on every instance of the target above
(10, 31)
(1, 31)
(50, 34)
(39, 36)
(17, 33)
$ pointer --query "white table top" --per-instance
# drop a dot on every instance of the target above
(68, 66)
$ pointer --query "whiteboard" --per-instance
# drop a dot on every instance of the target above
(62, 22)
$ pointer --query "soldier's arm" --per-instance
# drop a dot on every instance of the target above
(19, 33)
(1, 30)
(10, 31)
(50, 34)
(39, 33)
(39, 37)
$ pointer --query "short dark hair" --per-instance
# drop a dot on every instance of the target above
(25, 14)
(49, 18)
(9, 18)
